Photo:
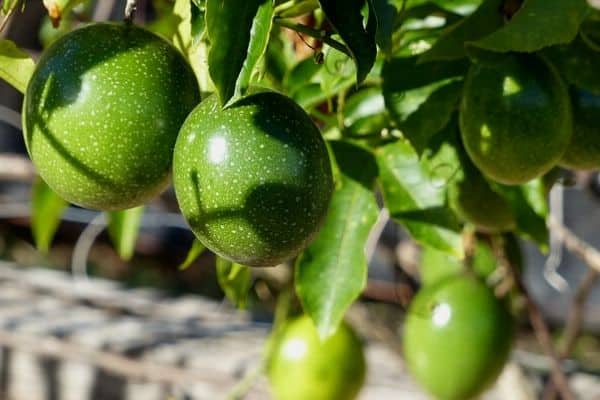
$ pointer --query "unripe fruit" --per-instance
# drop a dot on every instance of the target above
(584, 150)
(457, 337)
(102, 112)
(474, 201)
(515, 118)
(301, 366)
(253, 180)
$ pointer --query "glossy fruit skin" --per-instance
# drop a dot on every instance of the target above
(456, 338)
(102, 112)
(515, 118)
(301, 367)
(253, 180)
(584, 150)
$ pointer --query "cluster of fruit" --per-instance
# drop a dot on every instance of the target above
(112, 108)
(520, 118)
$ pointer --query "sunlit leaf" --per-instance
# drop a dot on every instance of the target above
(46, 211)
(123, 229)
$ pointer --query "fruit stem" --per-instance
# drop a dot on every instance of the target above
(130, 8)
(319, 34)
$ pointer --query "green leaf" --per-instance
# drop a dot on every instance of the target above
(365, 112)
(301, 74)
(432, 116)
(235, 281)
(414, 191)
(195, 251)
(578, 63)
(421, 97)
(331, 273)
(405, 73)
(123, 229)
(347, 19)
(322, 82)
(9, 5)
(537, 24)
(385, 12)
(530, 207)
(238, 31)
(16, 66)
(451, 45)
(47, 209)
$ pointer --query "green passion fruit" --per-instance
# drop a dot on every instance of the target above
(515, 118)
(474, 201)
(300, 366)
(457, 337)
(102, 112)
(583, 152)
(254, 179)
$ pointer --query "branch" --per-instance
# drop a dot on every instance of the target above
(110, 362)
(14, 167)
(317, 34)
(540, 328)
(575, 245)
(591, 257)
(130, 8)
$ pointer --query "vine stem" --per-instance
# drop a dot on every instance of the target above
(130, 8)
(591, 256)
(316, 33)
(540, 327)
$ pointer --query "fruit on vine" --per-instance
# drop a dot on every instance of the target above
(474, 201)
(102, 112)
(254, 179)
(515, 118)
(584, 150)
(456, 338)
(300, 366)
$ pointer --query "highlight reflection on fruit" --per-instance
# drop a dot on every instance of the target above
(515, 118)
(253, 180)
(456, 337)
(301, 366)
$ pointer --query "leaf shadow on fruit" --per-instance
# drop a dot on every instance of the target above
(69, 80)
(60, 90)
(269, 210)
(76, 163)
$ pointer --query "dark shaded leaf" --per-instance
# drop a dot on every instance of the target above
(451, 45)
(537, 24)
(530, 207)
(431, 116)
(347, 19)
